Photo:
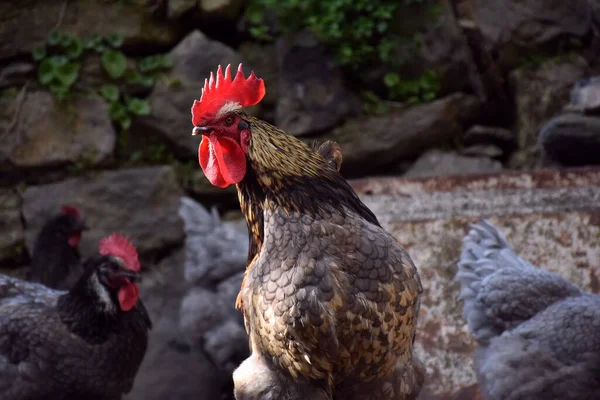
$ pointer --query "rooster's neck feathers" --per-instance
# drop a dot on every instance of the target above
(289, 174)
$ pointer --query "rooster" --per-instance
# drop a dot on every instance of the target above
(86, 343)
(330, 299)
(536, 333)
(56, 261)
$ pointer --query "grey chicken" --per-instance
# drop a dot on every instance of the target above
(538, 335)
(86, 343)
(55, 261)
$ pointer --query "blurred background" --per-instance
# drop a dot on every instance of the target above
(446, 112)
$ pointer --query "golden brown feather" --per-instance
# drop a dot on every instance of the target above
(329, 297)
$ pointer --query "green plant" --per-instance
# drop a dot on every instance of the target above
(361, 33)
(424, 88)
(60, 63)
(356, 29)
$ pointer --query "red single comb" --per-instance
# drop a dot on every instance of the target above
(119, 246)
(216, 93)
(66, 209)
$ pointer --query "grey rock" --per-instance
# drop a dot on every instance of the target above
(166, 369)
(139, 202)
(373, 143)
(177, 8)
(26, 24)
(585, 96)
(16, 74)
(228, 9)
(482, 135)
(312, 95)
(572, 139)
(37, 132)
(215, 250)
(193, 60)
(482, 150)
(512, 27)
(13, 234)
(541, 94)
(263, 57)
(437, 163)
(442, 47)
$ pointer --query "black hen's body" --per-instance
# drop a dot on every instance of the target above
(54, 262)
(58, 345)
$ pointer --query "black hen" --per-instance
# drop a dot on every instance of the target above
(87, 343)
(56, 261)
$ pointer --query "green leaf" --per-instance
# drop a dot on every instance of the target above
(115, 40)
(100, 48)
(110, 92)
(66, 40)
(54, 38)
(75, 48)
(39, 53)
(117, 111)
(88, 44)
(149, 63)
(255, 13)
(46, 71)
(114, 63)
(59, 90)
(391, 79)
(165, 61)
(136, 156)
(59, 60)
(125, 122)
(67, 74)
(138, 106)
(146, 80)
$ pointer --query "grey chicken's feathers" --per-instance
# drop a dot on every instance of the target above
(554, 355)
(214, 250)
(500, 289)
(538, 335)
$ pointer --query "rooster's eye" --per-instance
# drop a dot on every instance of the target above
(228, 121)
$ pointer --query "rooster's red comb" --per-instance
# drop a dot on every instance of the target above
(71, 210)
(222, 90)
(119, 246)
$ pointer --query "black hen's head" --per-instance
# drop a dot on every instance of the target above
(68, 225)
(112, 274)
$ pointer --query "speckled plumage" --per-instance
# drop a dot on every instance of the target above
(538, 335)
(330, 298)
(57, 345)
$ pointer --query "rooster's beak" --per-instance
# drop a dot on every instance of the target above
(201, 130)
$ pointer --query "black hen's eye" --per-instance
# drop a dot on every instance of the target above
(229, 121)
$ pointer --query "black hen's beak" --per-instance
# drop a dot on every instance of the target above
(201, 130)
(131, 275)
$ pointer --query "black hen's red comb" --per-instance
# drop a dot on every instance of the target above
(119, 246)
(70, 210)
(222, 90)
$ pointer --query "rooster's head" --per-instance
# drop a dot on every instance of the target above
(114, 273)
(226, 135)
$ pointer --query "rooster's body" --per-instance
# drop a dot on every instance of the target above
(538, 335)
(80, 344)
(330, 298)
